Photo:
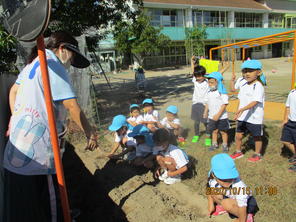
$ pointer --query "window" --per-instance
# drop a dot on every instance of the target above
(286, 45)
(276, 20)
(210, 18)
(165, 17)
(257, 49)
(252, 20)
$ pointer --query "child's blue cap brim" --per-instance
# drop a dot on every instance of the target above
(223, 167)
(252, 64)
(150, 101)
(172, 109)
(134, 105)
(215, 75)
(118, 122)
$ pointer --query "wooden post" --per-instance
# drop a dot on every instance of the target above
(244, 54)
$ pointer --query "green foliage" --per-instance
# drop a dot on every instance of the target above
(76, 16)
(139, 37)
(194, 42)
(7, 51)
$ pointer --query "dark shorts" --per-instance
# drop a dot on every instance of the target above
(252, 207)
(197, 112)
(253, 129)
(221, 124)
(289, 132)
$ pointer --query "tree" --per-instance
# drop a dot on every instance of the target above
(76, 16)
(139, 37)
(194, 42)
(7, 51)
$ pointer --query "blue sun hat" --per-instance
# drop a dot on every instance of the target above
(252, 64)
(134, 105)
(142, 130)
(139, 130)
(218, 76)
(223, 166)
(172, 109)
(149, 101)
(118, 122)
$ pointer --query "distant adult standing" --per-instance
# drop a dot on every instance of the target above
(31, 189)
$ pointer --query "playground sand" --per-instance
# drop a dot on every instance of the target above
(114, 191)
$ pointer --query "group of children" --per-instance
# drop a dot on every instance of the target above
(150, 142)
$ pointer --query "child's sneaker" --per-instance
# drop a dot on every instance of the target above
(213, 147)
(208, 142)
(225, 148)
(292, 168)
(163, 176)
(219, 210)
(195, 139)
(250, 218)
(237, 155)
(172, 180)
(255, 158)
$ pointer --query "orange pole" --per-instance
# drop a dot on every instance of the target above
(252, 40)
(294, 63)
(222, 57)
(211, 54)
(244, 54)
(53, 129)
(233, 54)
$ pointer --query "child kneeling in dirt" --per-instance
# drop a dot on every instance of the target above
(171, 159)
(227, 193)
(144, 146)
(119, 126)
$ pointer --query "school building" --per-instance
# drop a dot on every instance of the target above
(225, 21)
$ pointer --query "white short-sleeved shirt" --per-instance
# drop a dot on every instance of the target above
(153, 117)
(291, 103)
(130, 140)
(215, 100)
(29, 150)
(250, 93)
(137, 119)
(238, 187)
(200, 90)
(143, 150)
(177, 154)
(166, 124)
(239, 83)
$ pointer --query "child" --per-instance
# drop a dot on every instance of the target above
(251, 109)
(119, 126)
(172, 123)
(289, 128)
(170, 158)
(216, 101)
(151, 115)
(144, 146)
(135, 116)
(201, 87)
(227, 192)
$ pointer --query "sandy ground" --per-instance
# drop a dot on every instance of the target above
(120, 192)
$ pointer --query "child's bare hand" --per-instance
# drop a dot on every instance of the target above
(238, 114)
(284, 123)
(233, 77)
(205, 115)
(91, 144)
(216, 117)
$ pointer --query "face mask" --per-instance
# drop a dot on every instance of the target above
(213, 88)
(65, 61)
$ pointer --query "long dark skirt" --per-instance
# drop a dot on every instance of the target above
(31, 198)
